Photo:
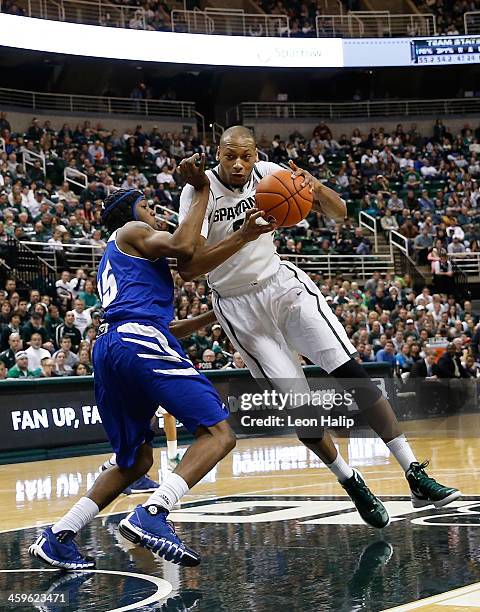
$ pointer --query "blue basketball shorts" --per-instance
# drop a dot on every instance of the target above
(137, 367)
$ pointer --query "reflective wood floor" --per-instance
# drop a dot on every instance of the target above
(272, 509)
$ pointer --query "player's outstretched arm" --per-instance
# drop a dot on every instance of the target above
(186, 327)
(143, 240)
(206, 258)
(325, 200)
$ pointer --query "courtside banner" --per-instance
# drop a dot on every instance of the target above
(62, 412)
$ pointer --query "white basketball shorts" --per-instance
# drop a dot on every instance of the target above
(281, 316)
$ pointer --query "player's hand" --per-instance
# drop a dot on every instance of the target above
(194, 173)
(308, 179)
(251, 230)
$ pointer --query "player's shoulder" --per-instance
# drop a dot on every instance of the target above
(264, 168)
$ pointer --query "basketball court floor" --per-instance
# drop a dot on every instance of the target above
(274, 529)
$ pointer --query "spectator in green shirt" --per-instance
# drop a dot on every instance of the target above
(88, 295)
(20, 369)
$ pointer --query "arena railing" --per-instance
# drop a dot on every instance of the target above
(471, 21)
(73, 103)
(83, 11)
(375, 24)
(343, 26)
(398, 241)
(469, 263)
(75, 177)
(229, 22)
(369, 223)
(192, 22)
(235, 21)
(347, 110)
(355, 266)
(30, 157)
(77, 255)
(72, 255)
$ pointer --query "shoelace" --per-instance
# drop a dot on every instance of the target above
(368, 493)
(427, 481)
(366, 490)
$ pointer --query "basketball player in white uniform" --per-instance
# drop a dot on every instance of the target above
(270, 308)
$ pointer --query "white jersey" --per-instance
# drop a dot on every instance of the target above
(226, 209)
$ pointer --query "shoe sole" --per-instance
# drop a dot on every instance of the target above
(373, 526)
(132, 534)
(420, 503)
(138, 491)
(136, 536)
(36, 551)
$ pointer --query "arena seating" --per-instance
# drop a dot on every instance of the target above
(422, 184)
(347, 18)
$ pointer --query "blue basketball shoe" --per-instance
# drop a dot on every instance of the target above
(61, 552)
(144, 484)
(148, 527)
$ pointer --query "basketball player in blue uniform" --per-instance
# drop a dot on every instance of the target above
(140, 365)
(144, 484)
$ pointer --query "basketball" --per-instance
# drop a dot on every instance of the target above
(284, 198)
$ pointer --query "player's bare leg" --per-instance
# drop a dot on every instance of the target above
(382, 419)
(56, 545)
(147, 525)
(370, 508)
(142, 484)
(113, 481)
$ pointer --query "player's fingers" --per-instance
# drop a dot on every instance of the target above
(264, 229)
(250, 212)
(256, 215)
(189, 160)
(292, 165)
(307, 181)
(201, 166)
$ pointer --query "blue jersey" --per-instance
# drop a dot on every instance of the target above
(133, 288)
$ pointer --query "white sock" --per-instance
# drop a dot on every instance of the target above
(402, 451)
(84, 511)
(340, 468)
(171, 449)
(169, 492)
(110, 462)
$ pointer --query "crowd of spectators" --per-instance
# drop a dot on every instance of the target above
(132, 14)
(423, 184)
(302, 14)
(386, 319)
(449, 13)
(37, 205)
(52, 334)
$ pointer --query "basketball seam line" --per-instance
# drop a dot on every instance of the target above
(297, 191)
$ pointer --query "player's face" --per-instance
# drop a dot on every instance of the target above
(144, 213)
(237, 157)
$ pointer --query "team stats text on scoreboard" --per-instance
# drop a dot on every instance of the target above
(446, 50)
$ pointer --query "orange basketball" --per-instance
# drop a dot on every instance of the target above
(284, 198)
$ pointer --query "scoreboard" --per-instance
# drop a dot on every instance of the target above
(444, 50)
